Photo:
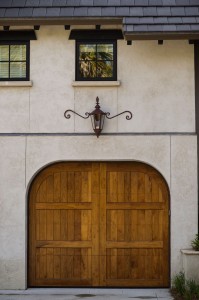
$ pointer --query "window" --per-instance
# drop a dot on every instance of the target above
(14, 61)
(96, 60)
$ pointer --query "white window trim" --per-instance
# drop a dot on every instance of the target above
(96, 83)
(16, 83)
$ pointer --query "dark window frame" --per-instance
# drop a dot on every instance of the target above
(97, 42)
(10, 43)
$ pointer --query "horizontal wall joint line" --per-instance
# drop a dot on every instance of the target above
(103, 134)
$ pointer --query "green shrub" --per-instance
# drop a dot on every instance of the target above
(184, 289)
(179, 284)
(192, 290)
(195, 243)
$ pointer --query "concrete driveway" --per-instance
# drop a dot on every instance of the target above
(94, 294)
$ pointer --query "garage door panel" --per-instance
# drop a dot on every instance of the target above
(64, 225)
(41, 192)
(62, 263)
(63, 220)
(135, 241)
(118, 187)
(133, 187)
(99, 224)
(134, 225)
(65, 187)
(142, 264)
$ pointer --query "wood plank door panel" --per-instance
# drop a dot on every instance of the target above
(99, 224)
(63, 227)
(134, 232)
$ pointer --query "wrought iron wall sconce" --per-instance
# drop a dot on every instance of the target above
(97, 117)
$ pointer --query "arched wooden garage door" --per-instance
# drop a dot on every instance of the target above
(99, 224)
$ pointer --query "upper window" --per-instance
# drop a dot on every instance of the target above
(14, 61)
(96, 60)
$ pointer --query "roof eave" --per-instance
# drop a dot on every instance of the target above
(134, 36)
(60, 21)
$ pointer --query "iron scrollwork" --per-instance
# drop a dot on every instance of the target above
(128, 117)
(97, 117)
(68, 116)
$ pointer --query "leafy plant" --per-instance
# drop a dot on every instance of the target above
(192, 290)
(195, 243)
(184, 289)
(179, 284)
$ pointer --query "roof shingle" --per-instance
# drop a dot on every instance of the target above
(137, 15)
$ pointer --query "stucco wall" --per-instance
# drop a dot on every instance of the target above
(157, 85)
(184, 207)
(12, 213)
(21, 158)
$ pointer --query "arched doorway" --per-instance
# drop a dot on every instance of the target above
(99, 224)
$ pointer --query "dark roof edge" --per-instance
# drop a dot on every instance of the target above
(161, 36)
(61, 21)
(92, 34)
(17, 35)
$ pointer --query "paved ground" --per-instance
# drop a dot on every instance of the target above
(94, 294)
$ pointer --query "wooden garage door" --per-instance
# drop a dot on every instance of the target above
(99, 224)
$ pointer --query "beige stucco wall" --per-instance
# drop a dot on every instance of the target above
(21, 158)
(12, 213)
(157, 85)
(184, 203)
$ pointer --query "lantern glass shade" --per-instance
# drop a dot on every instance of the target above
(97, 120)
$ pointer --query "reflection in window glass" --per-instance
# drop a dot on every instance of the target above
(4, 52)
(104, 69)
(4, 69)
(13, 61)
(87, 52)
(18, 52)
(87, 69)
(105, 52)
(96, 61)
(17, 70)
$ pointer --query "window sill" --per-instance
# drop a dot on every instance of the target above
(16, 83)
(96, 83)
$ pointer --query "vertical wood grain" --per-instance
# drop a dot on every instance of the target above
(106, 191)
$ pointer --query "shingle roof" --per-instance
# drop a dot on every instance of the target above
(146, 16)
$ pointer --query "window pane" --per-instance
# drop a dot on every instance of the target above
(87, 52)
(4, 70)
(4, 52)
(17, 70)
(105, 52)
(105, 69)
(87, 69)
(17, 52)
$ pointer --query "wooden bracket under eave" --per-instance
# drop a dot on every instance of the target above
(36, 27)
(6, 28)
(67, 27)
